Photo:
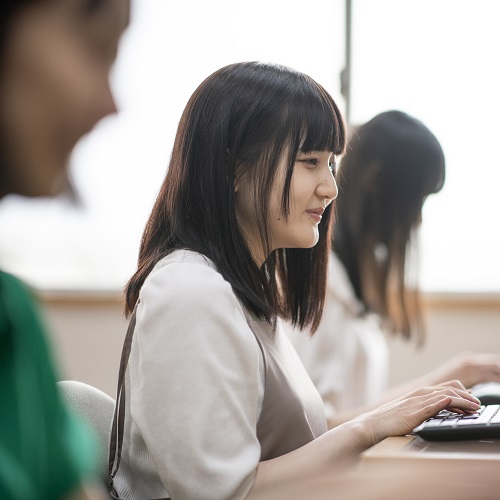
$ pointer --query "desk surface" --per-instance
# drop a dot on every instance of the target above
(407, 468)
(411, 448)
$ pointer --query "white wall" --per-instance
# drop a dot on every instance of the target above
(88, 336)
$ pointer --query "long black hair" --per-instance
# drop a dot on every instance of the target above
(392, 164)
(242, 120)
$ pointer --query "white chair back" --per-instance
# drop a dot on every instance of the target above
(96, 409)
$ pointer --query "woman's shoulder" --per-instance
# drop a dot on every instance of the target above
(60, 442)
(186, 296)
(16, 301)
(186, 275)
(186, 266)
(187, 257)
(11, 284)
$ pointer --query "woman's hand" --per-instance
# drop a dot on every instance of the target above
(339, 449)
(400, 417)
(455, 385)
(469, 368)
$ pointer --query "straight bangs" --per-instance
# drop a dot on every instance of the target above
(322, 125)
(315, 124)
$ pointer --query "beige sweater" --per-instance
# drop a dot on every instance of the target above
(196, 386)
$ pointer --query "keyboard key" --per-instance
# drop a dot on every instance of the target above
(471, 417)
(487, 414)
(449, 421)
(496, 418)
(449, 426)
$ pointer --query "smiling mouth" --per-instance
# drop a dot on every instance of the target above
(316, 214)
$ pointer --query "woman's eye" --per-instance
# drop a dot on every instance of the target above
(309, 161)
(333, 167)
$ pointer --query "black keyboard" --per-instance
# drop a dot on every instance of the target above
(450, 426)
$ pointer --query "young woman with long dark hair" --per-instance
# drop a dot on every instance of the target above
(218, 404)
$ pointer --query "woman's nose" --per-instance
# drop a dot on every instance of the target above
(327, 188)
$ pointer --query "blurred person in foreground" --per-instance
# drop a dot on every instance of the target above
(55, 58)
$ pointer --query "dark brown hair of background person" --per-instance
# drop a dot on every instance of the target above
(393, 162)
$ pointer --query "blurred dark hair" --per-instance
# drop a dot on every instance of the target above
(392, 164)
(241, 121)
(8, 9)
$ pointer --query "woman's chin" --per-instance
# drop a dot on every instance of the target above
(304, 243)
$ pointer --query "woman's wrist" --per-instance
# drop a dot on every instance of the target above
(362, 434)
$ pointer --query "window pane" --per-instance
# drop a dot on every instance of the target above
(171, 46)
(438, 60)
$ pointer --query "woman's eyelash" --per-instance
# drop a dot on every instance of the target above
(315, 162)
(310, 161)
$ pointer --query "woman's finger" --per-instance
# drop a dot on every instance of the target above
(431, 405)
(453, 383)
(465, 394)
(459, 404)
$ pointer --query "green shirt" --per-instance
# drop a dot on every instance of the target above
(44, 452)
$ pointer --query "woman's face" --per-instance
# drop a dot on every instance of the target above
(312, 189)
(54, 87)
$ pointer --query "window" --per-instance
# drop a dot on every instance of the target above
(438, 60)
(170, 47)
(435, 59)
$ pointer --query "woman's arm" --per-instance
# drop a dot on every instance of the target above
(468, 368)
(195, 382)
(340, 448)
(195, 387)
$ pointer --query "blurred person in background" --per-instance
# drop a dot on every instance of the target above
(393, 163)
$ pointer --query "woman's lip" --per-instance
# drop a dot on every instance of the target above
(315, 214)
